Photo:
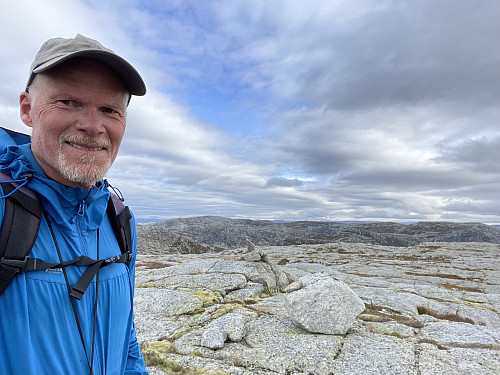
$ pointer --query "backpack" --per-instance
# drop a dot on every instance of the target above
(21, 222)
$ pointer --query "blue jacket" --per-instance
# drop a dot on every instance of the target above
(38, 331)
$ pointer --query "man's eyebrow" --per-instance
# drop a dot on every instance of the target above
(63, 95)
(68, 96)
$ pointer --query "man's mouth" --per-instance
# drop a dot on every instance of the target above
(86, 147)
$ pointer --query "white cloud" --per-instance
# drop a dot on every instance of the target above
(330, 109)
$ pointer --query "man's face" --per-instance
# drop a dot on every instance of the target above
(77, 112)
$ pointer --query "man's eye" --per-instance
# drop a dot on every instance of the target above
(66, 102)
(110, 111)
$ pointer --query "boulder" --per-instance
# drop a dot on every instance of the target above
(251, 290)
(323, 305)
(255, 256)
(230, 327)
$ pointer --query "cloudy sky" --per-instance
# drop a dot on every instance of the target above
(292, 109)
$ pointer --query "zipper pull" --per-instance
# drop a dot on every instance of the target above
(81, 208)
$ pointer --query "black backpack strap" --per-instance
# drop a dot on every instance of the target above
(119, 216)
(20, 227)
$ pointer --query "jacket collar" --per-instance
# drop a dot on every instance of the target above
(65, 205)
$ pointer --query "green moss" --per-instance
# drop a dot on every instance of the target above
(154, 355)
(196, 353)
(179, 334)
(373, 318)
(268, 293)
(146, 285)
(224, 309)
(208, 298)
(162, 346)
(198, 310)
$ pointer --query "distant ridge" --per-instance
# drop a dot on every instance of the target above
(207, 233)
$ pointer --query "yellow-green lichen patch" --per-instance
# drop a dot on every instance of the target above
(268, 293)
(480, 305)
(146, 285)
(224, 309)
(207, 298)
(179, 334)
(154, 355)
(373, 318)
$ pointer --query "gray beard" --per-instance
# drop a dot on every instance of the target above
(85, 172)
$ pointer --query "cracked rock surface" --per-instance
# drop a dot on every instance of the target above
(431, 309)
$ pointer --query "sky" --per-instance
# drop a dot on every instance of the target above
(289, 109)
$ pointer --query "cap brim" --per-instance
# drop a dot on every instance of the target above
(120, 66)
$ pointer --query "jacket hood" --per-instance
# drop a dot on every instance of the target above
(63, 204)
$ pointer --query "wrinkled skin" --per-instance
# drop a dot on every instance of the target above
(77, 112)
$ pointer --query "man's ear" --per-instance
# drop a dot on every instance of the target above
(25, 108)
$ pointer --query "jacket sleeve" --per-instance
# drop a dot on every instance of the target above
(135, 360)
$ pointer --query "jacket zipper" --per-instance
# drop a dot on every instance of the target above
(81, 213)
(79, 219)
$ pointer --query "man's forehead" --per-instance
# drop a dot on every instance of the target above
(89, 73)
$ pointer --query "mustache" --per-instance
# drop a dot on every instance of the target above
(95, 141)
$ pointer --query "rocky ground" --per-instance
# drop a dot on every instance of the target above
(428, 309)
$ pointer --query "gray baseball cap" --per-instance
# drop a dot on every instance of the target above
(57, 50)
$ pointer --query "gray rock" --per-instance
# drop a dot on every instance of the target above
(456, 334)
(213, 337)
(450, 281)
(482, 315)
(395, 300)
(392, 329)
(296, 285)
(191, 268)
(258, 272)
(216, 282)
(457, 361)
(165, 302)
(153, 307)
(323, 305)
(375, 355)
(281, 277)
(251, 290)
(250, 246)
(291, 277)
(255, 256)
(230, 326)
(276, 345)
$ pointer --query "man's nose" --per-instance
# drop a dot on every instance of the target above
(90, 122)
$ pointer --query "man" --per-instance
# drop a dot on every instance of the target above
(75, 103)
